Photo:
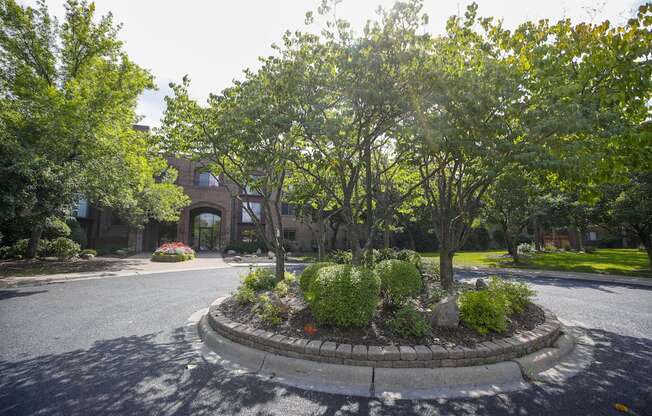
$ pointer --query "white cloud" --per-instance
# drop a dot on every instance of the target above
(213, 41)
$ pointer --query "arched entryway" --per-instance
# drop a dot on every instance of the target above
(206, 229)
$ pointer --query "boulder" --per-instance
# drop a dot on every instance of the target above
(87, 256)
(271, 255)
(259, 251)
(237, 258)
(480, 284)
(446, 313)
(230, 252)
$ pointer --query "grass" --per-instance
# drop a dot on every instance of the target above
(629, 262)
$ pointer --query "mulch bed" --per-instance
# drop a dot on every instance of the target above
(378, 332)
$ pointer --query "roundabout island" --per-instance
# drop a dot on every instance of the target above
(383, 359)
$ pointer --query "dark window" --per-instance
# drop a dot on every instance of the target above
(289, 235)
(287, 209)
(207, 180)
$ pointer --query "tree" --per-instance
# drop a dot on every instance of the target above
(68, 95)
(244, 135)
(629, 204)
(511, 203)
(552, 97)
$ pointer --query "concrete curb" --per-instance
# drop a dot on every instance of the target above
(552, 274)
(385, 383)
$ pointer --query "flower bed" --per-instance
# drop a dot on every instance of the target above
(173, 252)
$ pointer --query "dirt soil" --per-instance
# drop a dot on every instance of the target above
(378, 332)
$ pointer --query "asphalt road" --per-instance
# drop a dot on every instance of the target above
(118, 346)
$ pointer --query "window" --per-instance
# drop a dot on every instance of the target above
(289, 235)
(81, 210)
(592, 236)
(255, 207)
(207, 180)
(287, 209)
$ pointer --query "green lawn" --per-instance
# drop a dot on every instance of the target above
(630, 262)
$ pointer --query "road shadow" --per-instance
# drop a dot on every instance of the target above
(149, 375)
(8, 294)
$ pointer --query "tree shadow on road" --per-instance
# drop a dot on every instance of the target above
(150, 374)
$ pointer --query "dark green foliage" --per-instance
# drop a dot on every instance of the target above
(63, 248)
(246, 247)
(342, 256)
(408, 322)
(517, 294)
(77, 233)
(410, 256)
(399, 279)
(309, 274)
(344, 295)
(484, 310)
(6, 252)
(54, 227)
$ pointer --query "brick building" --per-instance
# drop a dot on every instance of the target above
(212, 220)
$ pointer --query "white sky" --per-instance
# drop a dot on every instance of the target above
(213, 41)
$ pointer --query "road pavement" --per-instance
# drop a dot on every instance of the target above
(119, 346)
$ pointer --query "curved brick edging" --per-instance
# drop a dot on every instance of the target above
(403, 356)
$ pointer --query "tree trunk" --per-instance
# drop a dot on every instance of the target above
(280, 262)
(32, 245)
(321, 240)
(386, 239)
(334, 237)
(537, 235)
(580, 239)
(646, 240)
(446, 265)
(356, 253)
(413, 244)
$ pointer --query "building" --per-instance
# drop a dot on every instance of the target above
(210, 222)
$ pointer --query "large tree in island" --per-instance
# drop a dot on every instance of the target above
(547, 96)
(68, 94)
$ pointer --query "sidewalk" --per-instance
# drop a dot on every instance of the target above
(130, 266)
(593, 277)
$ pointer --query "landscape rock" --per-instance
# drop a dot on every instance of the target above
(446, 313)
(230, 252)
(270, 255)
(259, 251)
(237, 258)
(87, 256)
(480, 284)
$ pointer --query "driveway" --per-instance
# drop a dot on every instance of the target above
(119, 346)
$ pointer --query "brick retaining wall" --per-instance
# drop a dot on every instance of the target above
(401, 356)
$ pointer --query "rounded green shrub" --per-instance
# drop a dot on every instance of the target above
(344, 296)
(484, 310)
(260, 279)
(281, 289)
(408, 322)
(63, 248)
(517, 294)
(399, 279)
(342, 256)
(245, 295)
(54, 227)
(309, 274)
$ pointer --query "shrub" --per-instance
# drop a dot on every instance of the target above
(245, 295)
(260, 279)
(43, 249)
(246, 247)
(344, 296)
(281, 289)
(342, 257)
(269, 313)
(408, 322)
(526, 248)
(54, 227)
(77, 233)
(410, 256)
(399, 279)
(6, 252)
(517, 294)
(290, 278)
(384, 254)
(309, 274)
(64, 248)
(20, 247)
(484, 310)
(90, 251)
